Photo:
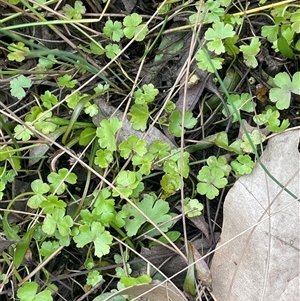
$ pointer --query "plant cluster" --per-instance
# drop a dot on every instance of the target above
(130, 203)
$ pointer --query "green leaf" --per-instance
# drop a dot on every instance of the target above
(131, 281)
(39, 188)
(155, 209)
(86, 136)
(174, 162)
(284, 48)
(146, 94)
(172, 236)
(164, 9)
(49, 99)
(106, 133)
(2, 187)
(170, 106)
(159, 149)
(132, 24)
(18, 52)
(34, 112)
(112, 50)
(206, 63)
(241, 102)
(256, 137)
(285, 86)
(210, 181)
(210, 11)
(120, 272)
(73, 100)
(139, 188)
(221, 140)
(46, 127)
(216, 34)
(201, 270)
(18, 84)
(96, 48)
(57, 220)
(295, 19)
(6, 175)
(22, 247)
(103, 158)
(277, 128)
(270, 117)
(230, 46)
(93, 278)
(63, 241)
(96, 234)
(132, 145)
(91, 109)
(47, 62)
(225, 3)
(220, 163)
(87, 216)
(190, 279)
(139, 116)
(144, 162)
(48, 248)
(288, 34)
(28, 292)
(104, 207)
(113, 30)
(270, 32)
(126, 182)
(250, 52)
(243, 165)
(6, 154)
(119, 218)
(85, 49)
(193, 207)
(52, 202)
(14, 1)
(170, 183)
(76, 12)
(58, 180)
(234, 19)
(22, 132)
(65, 81)
(101, 89)
(175, 124)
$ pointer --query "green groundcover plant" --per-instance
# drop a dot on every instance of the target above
(130, 185)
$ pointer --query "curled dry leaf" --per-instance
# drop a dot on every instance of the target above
(201, 268)
(189, 284)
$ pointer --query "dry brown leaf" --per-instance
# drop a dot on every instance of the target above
(154, 292)
(201, 268)
(169, 262)
(258, 256)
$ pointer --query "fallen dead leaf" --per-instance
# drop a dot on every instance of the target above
(169, 262)
(154, 292)
(258, 255)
